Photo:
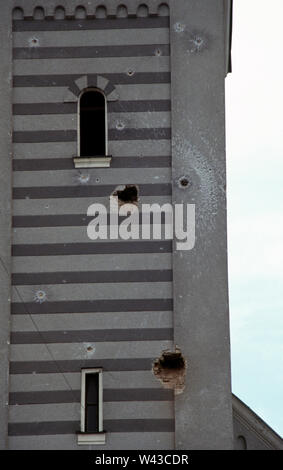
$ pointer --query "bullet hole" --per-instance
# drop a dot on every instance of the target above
(33, 42)
(197, 42)
(130, 72)
(89, 349)
(170, 369)
(179, 27)
(40, 296)
(120, 125)
(158, 52)
(183, 182)
(83, 177)
(127, 195)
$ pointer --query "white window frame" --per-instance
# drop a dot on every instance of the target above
(95, 161)
(85, 437)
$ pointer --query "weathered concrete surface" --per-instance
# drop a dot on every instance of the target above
(203, 413)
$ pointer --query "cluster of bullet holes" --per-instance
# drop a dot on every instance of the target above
(170, 369)
(127, 194)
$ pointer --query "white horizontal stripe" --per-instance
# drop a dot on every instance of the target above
(79, 351)
(45, 122)
(94, 176)
(53, 122)
(53, 382)
(91, 321)
(111, 262)
(105, 37)
(69, 149)
(114, 441)
(71, 411)
(91, 65)
(100, 291)
(53, 94)
(44, 150)
(22, 207)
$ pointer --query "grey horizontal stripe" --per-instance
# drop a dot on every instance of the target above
(71, 108)
(68, 220)
(92, 248)
(71, 427)
(34, 164)
(72, 336)
(44, 108)
(49, 367)
(89, 51)
(96, 262)
(84, 306)
(91, 24)
(74, 396)
(44, 136)
(71, 135)
(86, 191)
(91, 276)
(139, 425)
(109, 179)
(67, 80)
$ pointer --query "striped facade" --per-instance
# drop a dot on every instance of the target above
(106, 303)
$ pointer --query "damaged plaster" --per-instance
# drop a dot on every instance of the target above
(170, 369)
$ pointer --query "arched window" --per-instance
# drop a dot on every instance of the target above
(92, 124)
(92, 132)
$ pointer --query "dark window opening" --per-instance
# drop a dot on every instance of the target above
(92, 124)
(91, 402)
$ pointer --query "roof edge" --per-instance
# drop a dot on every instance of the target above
(254, 423)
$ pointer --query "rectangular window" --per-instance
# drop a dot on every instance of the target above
(91, 407)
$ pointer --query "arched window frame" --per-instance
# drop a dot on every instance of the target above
(91, 161)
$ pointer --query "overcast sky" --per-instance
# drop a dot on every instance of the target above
(254, 128)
